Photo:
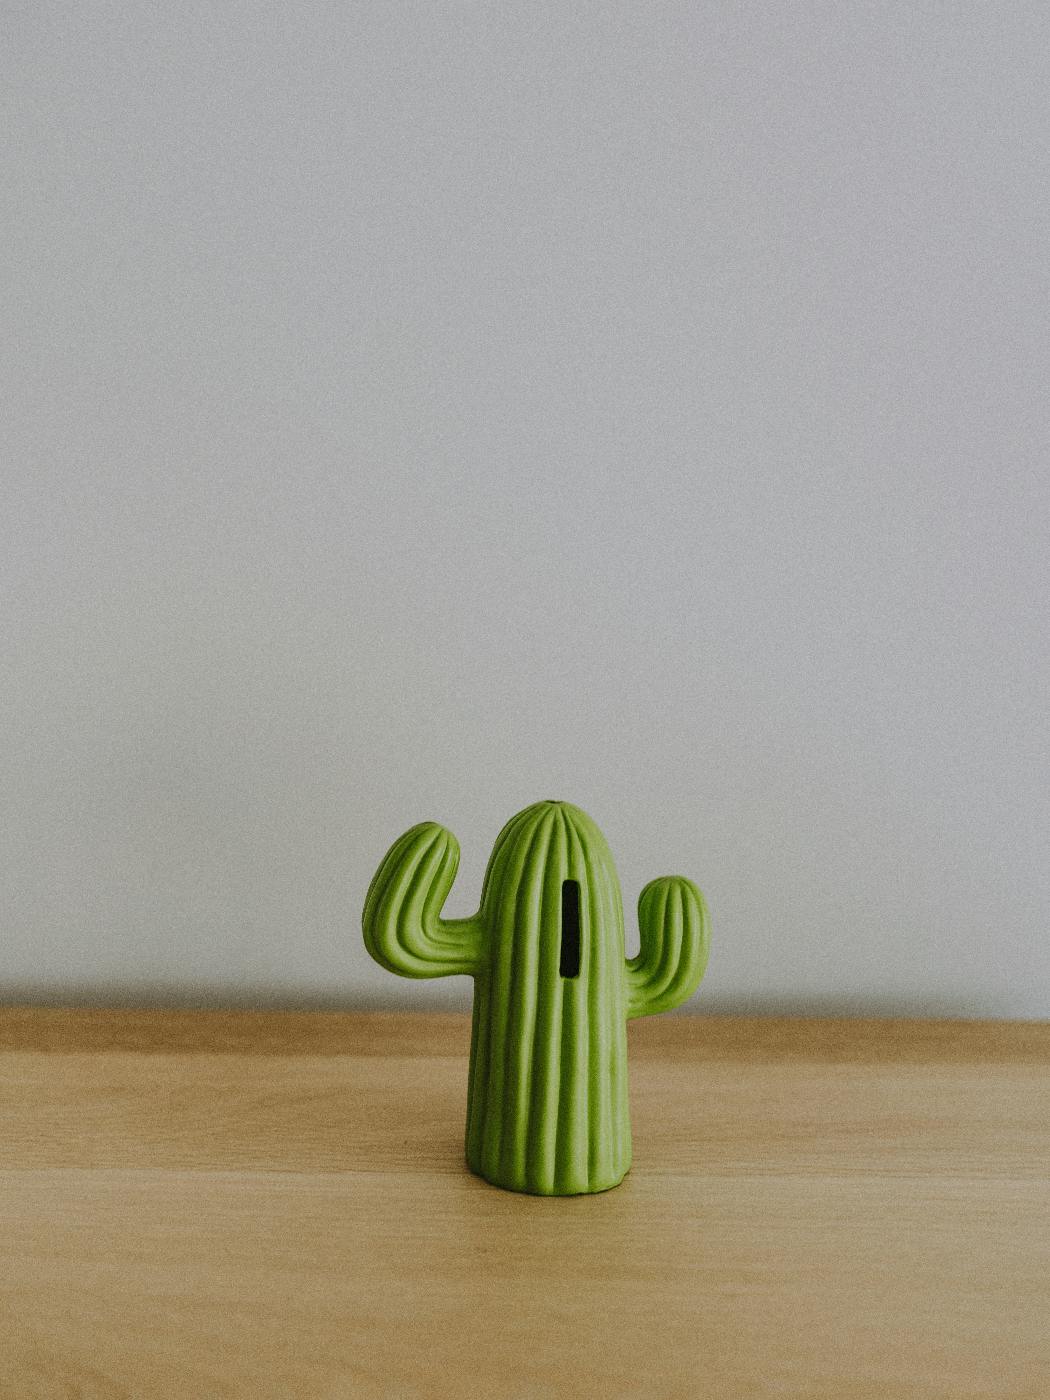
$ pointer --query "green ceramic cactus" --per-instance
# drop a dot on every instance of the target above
(547, 1104)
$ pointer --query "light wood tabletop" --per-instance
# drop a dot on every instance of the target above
(265, 1204)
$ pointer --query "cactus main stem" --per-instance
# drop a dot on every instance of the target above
(547, 1104)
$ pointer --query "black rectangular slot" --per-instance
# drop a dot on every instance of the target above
(570, 928)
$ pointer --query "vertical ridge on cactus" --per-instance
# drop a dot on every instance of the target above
(547, 1108)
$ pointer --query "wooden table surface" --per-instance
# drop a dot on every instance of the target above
(257, 1204)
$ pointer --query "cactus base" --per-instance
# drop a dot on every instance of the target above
(594, 1188)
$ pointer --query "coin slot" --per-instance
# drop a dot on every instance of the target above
(570, 928)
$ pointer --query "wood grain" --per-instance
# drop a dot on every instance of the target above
(270, 1204)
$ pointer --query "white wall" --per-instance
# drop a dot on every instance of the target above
(414, 410)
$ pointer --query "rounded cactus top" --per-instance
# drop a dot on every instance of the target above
(555, 836)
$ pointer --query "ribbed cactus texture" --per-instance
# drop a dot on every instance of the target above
(547, 1107)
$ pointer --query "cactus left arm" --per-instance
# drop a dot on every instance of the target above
(402, 922)
(672, 918)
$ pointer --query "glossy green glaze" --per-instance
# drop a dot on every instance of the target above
(547, 1096)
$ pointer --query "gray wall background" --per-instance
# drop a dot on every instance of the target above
(414, 410)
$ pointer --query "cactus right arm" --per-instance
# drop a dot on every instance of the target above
(672, 919)
(402, 924)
